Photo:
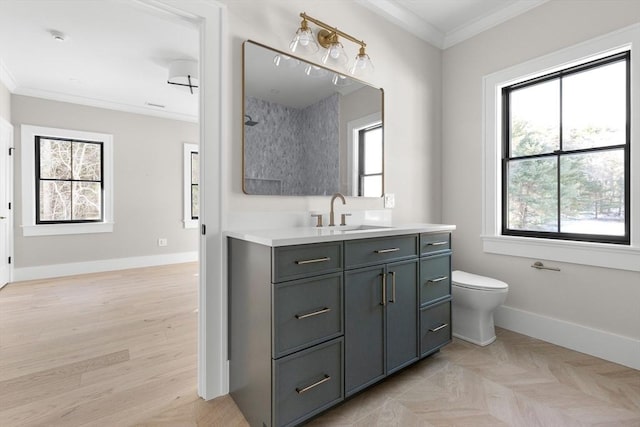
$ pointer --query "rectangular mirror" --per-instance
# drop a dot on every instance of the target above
(307, 130)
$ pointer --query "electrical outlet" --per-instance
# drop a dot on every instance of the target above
(162, 241)
(389, 201)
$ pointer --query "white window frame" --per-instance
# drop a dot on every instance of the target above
(624, 257)
(353, 129)
(186, 210)
(29, 226)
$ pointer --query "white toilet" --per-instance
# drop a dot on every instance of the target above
(474, 300)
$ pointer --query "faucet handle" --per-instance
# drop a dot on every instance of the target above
(343, 218)
(319, 216)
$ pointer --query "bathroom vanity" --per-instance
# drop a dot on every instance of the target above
(318, 314)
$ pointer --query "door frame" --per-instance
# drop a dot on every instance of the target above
(7, 128)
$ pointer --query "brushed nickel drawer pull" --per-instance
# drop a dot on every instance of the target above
(437, 243)
(439, 327)
(386, 251)
(316, 384)
(439, 279)
(313, 261)
(313, 313)
(384, 290)
(393, 287)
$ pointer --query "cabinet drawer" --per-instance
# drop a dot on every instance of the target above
(296, 262)
(307, 382)
(434, 243)
(358, 253)
(306, 312)
(435, 278)
(435, 327)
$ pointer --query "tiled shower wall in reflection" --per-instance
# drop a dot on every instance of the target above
(292, 151)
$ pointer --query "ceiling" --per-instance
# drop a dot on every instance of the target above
(116, 54)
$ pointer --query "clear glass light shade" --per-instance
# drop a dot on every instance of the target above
(362, 67)
(340, 80)
(335, 55)
(304, 42)
(281, 60)
(315, 71)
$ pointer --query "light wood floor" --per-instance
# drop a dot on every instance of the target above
(119, 349)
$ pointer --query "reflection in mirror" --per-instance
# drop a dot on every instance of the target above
(309, 131)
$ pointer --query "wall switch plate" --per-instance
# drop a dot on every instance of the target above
(389, 200)
(162, 242)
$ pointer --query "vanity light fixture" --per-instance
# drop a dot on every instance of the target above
(184, 73)
(334, 53)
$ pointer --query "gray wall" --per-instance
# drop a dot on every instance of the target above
(5, 102)
(600, 298)
(147, 184)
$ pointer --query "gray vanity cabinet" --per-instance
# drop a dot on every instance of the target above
(381, 309)
(313, 323)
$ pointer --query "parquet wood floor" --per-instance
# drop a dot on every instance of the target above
(119, 349)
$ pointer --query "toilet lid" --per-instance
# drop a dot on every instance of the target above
(473, 281)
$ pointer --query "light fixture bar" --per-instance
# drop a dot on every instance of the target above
(331, 29)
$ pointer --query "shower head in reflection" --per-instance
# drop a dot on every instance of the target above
(250, 122)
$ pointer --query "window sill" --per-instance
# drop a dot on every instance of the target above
(61, 229)
(593, 254)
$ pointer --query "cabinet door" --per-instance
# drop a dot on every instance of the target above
(402, 314)
(364, 328)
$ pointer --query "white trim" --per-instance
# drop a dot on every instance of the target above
(484, 23)
(353, 127)
(598, 343)
(29, 227)
(625, 257)
(100, 103)
(86, 267)
(7, 78)
(186, 179)
(7, 129)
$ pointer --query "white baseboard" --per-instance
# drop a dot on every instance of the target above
(59, 270)
(605, 345)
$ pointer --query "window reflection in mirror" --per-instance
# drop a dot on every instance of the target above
(307, 130)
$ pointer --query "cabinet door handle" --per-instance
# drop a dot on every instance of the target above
(313, 261)
(444, 325)
(316, 384)
(313, 313)
(384, 289)
(439, 279)
(386, 251)
(437, 243)
(393, 286)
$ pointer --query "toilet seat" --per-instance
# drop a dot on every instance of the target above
(474, 281)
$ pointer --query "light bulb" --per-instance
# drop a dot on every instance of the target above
(334, 51)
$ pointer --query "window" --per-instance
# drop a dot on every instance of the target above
(67, 180)
(370, 161)
(566, 153)
(191, 167)
(575, 173)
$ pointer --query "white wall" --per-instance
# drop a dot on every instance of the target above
(581, 298)
(147, 185)
(407, 68)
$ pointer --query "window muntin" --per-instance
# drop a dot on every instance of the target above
(370, 163)
(69, 180)
(568, 177)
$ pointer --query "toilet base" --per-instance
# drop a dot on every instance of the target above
(481, 344)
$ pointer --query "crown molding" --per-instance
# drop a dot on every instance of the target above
(99, 103)
(7, 78)
(485, 23)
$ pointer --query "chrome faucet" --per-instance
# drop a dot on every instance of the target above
(331, 215)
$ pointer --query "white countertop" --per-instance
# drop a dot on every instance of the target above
(304, 235)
